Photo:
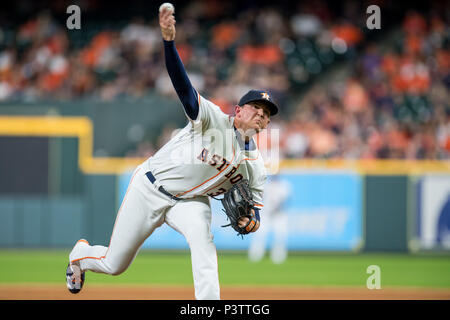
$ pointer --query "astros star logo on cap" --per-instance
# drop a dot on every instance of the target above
(265, 95)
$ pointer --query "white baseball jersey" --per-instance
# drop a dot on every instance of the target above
(206, 157)
(203, 159)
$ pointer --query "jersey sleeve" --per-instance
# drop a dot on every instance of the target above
(257, 187)
(210, 115)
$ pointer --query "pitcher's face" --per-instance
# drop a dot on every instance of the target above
(254, 116)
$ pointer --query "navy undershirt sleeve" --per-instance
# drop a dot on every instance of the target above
(257, 214)
(180, 80)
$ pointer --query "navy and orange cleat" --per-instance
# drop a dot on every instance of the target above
(74, 278)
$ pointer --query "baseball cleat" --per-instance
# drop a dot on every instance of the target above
(74, 278)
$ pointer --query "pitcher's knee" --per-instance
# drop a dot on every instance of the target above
(116, 272)
(199, 235)
(197, 245)
(116, 269)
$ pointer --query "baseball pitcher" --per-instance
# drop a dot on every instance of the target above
(213, 156)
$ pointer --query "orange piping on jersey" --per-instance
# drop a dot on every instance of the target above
(96, 258)
(117, 218)
(215, 186)
(259, 205)
(248, 159)
(221, 182)
(227, 179)
(180, 194)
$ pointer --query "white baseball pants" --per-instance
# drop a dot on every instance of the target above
(144, 209)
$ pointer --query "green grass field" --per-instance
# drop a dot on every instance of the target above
(431, 271)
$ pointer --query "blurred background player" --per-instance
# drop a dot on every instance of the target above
(276, 193)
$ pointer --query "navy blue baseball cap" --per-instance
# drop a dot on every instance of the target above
(260, 96)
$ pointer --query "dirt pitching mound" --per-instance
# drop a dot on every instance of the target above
(147, 292)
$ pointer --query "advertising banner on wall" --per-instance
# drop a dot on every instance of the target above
(316, 211)
(433, 213)
(324, 211)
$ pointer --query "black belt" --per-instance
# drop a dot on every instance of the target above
(152, 179)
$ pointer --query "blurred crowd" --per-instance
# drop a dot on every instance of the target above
(394, 103)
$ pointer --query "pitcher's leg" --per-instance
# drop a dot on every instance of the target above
(134, 223)
(82, 251)
(192, 218)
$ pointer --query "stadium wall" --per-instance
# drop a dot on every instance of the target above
(73, 190)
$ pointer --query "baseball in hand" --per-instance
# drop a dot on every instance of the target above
(168, 6)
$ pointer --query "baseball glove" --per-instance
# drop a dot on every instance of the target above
(238, 202)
